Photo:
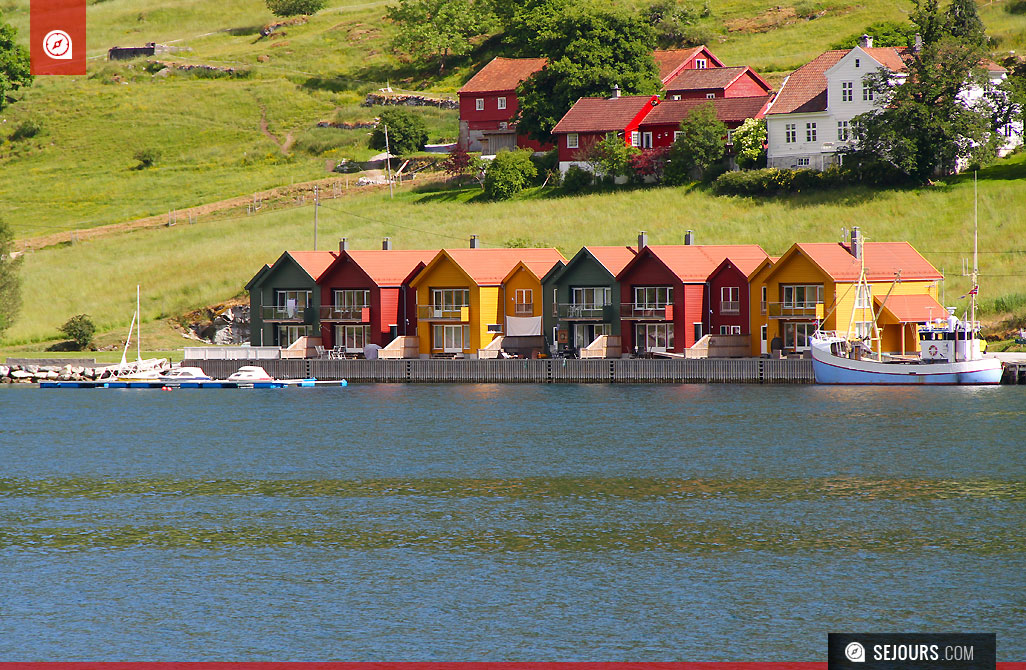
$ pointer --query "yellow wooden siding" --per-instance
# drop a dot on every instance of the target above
(488, 310)
(443, 274)
(523, 279)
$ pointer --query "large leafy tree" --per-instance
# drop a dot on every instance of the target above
(10, 284)
(675, 22)
(700, 144)
(295, 7)
(406, 132)
(923, 123)
(15, 67)
(435, 30)
(590, 50)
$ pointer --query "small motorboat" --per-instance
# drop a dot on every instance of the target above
(184, 374)
(249, 374)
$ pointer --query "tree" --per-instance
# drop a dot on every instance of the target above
(611, 156)
(590, 50)
(437, 29)
(459, 163)
(884, 34)
(10, 283)
(700, 145)
(509, 173)
(406, 132)
(15, 66)
(295, 7)
(750, 143)
(675, 22)
(922, 123)
(80, 330)
(964, 22)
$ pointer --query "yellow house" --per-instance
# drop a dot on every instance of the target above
(817, 285)
(467, 297)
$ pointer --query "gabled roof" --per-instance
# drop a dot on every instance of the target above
(533, 268)
(883, 260)
(805, 90)
(613, 259)
(314, 263)
(693, 263)
(256, 278)
(503, 74)
(727, 109)
(392, 267)
(604, 114)
(670, 61)
(912, 308)
(717, 77)
(489, 267)
(746, 267)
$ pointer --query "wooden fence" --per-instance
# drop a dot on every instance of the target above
(628, 371)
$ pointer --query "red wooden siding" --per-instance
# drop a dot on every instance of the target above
(728, 275)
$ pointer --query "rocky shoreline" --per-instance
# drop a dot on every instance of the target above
(33, 374)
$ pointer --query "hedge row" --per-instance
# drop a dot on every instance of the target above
(768, 181)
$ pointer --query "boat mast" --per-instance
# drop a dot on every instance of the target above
(138, 333)
(976, 267)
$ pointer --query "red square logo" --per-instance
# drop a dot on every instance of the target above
(58, 34)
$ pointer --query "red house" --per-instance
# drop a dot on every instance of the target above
(672, 62)
(591, 119)
(662, 125)
(488, 106)
(721, 82)
(366, 299)
(729, 295)
(664, 293)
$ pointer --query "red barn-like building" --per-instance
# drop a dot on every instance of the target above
(721, 82)
(489, 105)
(591, 119)
(661, 126)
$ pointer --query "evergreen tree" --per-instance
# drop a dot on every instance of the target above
(10, 284)
(964, 22)
(15, 66)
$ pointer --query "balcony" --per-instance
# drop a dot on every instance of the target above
(524, 309)
(348, 314)
(629, 310)
(583, 312)
(730, 307)
(795, 310)
(282, 313)
(443, 313)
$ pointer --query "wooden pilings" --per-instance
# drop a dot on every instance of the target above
(571, 371)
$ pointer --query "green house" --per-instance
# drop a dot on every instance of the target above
(285, 299)
(582, 298)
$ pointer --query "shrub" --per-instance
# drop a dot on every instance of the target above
(1016, 7)
(406, 132)
(576, 180)
(611, 157)
(650, 163)
(546, 162)
(26, 129)
(509, 173)
(750, 144)
(770, 181)
(147, 158)
(294, 7)
(80, 330)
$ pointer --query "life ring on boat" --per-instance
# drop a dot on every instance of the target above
(933, 350)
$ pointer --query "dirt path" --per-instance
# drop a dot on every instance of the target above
(284, 145)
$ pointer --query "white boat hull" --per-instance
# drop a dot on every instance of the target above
(831, 369)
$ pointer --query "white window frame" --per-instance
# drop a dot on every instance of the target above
(677, 134)
(810, 131)
(790, 133)
(842, 131)
(710, 96)
(661, 336)
(444, 338)
(730, 300)
(735, 330)
(646, 140)
(350, 337)
(792, 330)
(801, 296)
(867, 93)
(635, 138)
(858, 62)
(572, 140)
(479, 104)
(449, 300)
(523, 301)
(847, 91)
(292, 332)
(675, 97)
(590, 297)
(762, 305)
(804, 162)
(502, 102)
(701, 63)
(652, 297)
(863, 296)
(350, 299)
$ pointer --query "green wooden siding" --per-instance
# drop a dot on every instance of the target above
(286, 274)
(583, 270)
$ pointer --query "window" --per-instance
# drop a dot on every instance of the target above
(290, 304)
(675, 97)
(867, 92)
(502, 103)
(863, 297)
(351, 299)
(730, 330)
(810, 132)
(724, 330)
(842, 131)
(730, 137)
(700, 63)
(448, 302)
(791, 133)
(804, 162)
(590, 297)
(646, 140)
(635, 138)
(677, 134)
(710, 96)
(847, 91)
(287, 335)
(863, 329)
(586, 333)
(762, 306)
(797, 335)
(801, 296)
(479, 104)
(857, 61)
(451, 339)
(571, 140)
(730, 300)
(654, 336)
(524, 301)
(652, 297)
(352, 338)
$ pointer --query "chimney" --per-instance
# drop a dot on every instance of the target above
(866, 42)
(343, 244)
(474, 242)
(642, 240)
(689, 238)
(616, 91)
(856, 242)
(386, 244)
(918, 44)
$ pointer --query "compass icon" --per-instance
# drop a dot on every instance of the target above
(57, 45)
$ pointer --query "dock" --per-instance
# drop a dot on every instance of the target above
(531, 371)
(1014, 372)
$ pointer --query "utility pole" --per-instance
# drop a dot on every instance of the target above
(388, 164)
(317, 203)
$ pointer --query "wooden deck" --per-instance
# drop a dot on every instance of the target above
(525, 371)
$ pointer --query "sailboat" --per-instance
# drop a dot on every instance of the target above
(139, 370)
(950, 350)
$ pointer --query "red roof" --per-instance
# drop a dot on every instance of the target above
(805, 89)
(913, 308)
(883, 260)
(669, 61)
(613, 259)
(314, 263)
(727, 109)
(503, 74)
(717, 77)
(596, 115)
(489, 267)
(693, 263)
(391, 267)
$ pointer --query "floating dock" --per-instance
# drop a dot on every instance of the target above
(292, 383)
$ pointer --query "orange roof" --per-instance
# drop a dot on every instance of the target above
(805, 90)
(603, 114)
(883, 259)
(489, 267)
(392, 267)
(314, 263)
(503, 74)
(613, 259)
(670, 60)
(693, 263)
(913, 308)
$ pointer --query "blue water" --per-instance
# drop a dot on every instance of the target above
(491, 522)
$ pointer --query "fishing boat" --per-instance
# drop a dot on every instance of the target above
(950, 350)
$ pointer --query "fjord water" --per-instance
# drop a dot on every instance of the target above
(490, 522)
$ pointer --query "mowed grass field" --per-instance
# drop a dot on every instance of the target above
(187, 266)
